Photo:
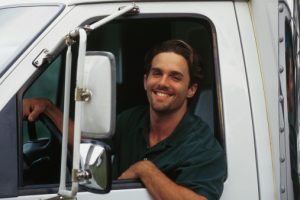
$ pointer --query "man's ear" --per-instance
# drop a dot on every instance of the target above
(192, 90)
(145, 81)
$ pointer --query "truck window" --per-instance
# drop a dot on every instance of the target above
(129, 39)
(45, 86)
(41, 142)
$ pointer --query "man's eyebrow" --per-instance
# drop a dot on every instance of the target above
(176, 73)
(155, 68)
(172, 72)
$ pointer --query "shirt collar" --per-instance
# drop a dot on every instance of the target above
(177, 135)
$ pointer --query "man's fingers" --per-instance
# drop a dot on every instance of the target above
(130, 173)
(32, 108)
(124, 175)
(34, 114)
(26, 109)
(121, 177)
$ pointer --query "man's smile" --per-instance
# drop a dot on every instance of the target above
(161, 94)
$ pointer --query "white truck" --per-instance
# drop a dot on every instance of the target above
(249, 95)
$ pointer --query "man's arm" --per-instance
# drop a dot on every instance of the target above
(158, 184)
(32, 108)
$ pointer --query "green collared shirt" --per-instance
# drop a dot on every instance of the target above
(190, 156)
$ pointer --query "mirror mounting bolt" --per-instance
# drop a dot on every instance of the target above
(81, 175)
(82, 94)
(69, 41)
(134, 11)
(88, 28)
(70, 38)
(43, 57)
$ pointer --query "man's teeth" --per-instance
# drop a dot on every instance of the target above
(161, 94)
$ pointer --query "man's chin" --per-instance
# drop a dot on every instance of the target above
(161, 109)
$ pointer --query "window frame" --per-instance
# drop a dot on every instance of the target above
(216, 82)
(41, 188)
(216, 87)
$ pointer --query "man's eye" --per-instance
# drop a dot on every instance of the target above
(176, 78)
(156, 73)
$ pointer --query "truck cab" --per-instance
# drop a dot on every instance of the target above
(249, 94)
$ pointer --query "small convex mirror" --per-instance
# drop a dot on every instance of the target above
(95, 166)
(98, 112)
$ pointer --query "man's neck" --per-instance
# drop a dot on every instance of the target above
(162, 125)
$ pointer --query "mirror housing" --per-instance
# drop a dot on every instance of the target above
(95, 167)
(99, 81)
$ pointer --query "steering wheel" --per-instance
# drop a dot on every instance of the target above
(42, 156)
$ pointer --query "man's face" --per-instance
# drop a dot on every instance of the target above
(167, 84)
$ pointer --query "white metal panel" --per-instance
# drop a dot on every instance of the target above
(237, 113)
(73, 2)
(265, 22)
(132, 194)
(18, 73)
(128, 194)
(259, 110)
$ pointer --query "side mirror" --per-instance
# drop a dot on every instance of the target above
(95, 166)
(98, 113)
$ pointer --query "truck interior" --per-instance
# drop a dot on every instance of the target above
(128, 38)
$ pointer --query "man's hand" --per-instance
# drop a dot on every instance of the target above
(158, 184)
(136, 170)
(32, 108)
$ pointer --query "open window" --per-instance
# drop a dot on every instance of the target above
(129, 39)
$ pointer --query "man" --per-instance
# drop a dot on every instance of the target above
(170, 150)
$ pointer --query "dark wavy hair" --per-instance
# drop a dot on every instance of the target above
(181, 48)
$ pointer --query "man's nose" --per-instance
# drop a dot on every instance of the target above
(164, 81)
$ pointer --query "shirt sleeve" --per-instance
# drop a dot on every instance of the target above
(204, 173)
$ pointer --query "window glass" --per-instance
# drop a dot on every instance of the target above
(46, 86)
(41, 141)
(14, 22)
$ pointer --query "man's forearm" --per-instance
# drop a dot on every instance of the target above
(56, 117)
(158, 184)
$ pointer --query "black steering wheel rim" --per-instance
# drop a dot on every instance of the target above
(56, 133)
(43, 150)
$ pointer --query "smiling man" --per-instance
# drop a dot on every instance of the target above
(172, 151)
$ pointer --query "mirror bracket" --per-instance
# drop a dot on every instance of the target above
(81, 175)
(43, 57)
(82, 94)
